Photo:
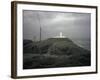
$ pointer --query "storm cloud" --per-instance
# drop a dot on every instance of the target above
(75, 26)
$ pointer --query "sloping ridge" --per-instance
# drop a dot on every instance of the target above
(61, 46)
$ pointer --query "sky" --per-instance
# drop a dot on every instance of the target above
(75, 26)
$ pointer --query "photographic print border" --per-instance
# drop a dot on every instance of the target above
(14, 37)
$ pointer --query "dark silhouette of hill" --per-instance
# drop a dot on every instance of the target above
(54, 52)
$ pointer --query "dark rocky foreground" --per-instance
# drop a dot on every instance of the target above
(54, 52)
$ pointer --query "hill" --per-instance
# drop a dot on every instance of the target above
(54, 52)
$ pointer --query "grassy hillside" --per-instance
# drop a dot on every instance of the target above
(54, 52)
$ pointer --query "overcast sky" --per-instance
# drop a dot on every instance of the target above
(72, 25)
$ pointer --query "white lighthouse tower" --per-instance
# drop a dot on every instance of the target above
(60, 35)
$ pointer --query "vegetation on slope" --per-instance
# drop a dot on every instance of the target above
(54, 52)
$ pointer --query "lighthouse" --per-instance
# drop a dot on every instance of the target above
(60, 35)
